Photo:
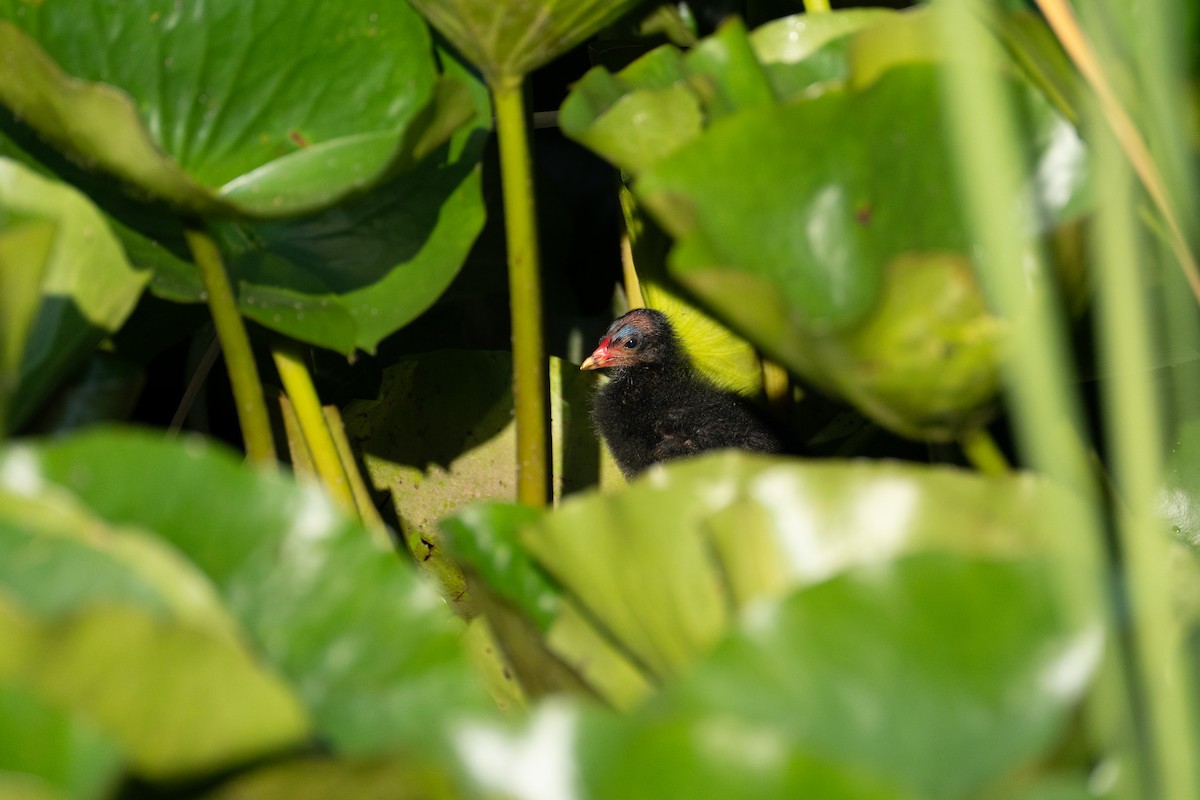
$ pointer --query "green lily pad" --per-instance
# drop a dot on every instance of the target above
(25, 250)
(796, 38)
(855, 687)
(86, 605)
(344, 278)
(551, 643)
(730, 530)
(777, 194)
(258, 109)
(774, 205)
(349, 277)
(370, 650)
(937, 673)
(48, 750)
(66, 283)
(819, 247)
(666, 98)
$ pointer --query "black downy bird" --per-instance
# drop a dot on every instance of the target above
(657, 407)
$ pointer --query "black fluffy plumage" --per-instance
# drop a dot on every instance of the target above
(657, 407)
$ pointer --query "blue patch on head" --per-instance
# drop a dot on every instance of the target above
(627, 330)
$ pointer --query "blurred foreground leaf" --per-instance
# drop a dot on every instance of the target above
(87, 606)
(369, 651)
(626, 608)
(867, 662)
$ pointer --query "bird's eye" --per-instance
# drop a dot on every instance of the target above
(631, 342)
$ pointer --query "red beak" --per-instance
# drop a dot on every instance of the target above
(600, 358)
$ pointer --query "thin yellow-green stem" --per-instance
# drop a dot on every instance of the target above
(235, 344)
(302, 463)
(815, 6)
(367, 511)
(1134, 431)
(297, 382)
(984, 454)
(531, 382)
(1038, 374)
(1066, 27)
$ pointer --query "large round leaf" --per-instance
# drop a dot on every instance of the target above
(782, 195)
(47, 749)
(66, 284)
(350, 276)
(93, 616)
(934, 673)
(262, 108)
(802, 171)
(586, 753)
(368, 648)
(344, 278)
(730, 530)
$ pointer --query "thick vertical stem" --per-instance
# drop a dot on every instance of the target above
(1038, 374)
(358, 485)
(297, 382)
(235, 343)
(1123, 332)
(1062, 20)
(530, 376)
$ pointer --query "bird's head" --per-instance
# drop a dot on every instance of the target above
(643, 337)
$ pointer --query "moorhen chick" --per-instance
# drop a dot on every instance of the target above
(657, 407)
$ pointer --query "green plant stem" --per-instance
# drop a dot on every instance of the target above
(297, 382)
(531, 383)
(1038, 374)
(1135, 432)
(816, 6)
(235, 343)
(358, 486)
(1062, 20)
(981, 450)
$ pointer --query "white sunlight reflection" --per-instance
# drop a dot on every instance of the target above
(536, 764)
